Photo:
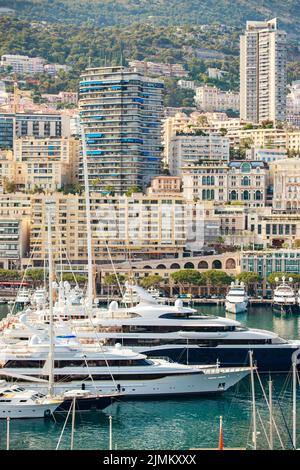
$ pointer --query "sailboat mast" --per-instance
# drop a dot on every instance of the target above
(254, 437)
(49, 212)
(88, 221)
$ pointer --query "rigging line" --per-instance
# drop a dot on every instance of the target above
(263, 428)
(286, 424)
(114, 268)
(268, 405)
(26, 269)
(72, 271)
(64, 426)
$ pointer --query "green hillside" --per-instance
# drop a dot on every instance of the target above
(163, 12)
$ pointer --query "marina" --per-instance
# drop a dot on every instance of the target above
(177, 423)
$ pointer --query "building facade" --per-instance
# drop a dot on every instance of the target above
(248, 183)
(286, 176)
(209, 98)
(121, 112)
(263, 72)
(186, 149)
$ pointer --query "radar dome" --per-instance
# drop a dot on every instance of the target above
(113, 306)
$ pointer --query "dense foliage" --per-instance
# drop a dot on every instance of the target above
(164, 12)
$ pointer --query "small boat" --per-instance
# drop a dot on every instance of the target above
(19, 402)
(236, 298)
(130, 297)
(284, 298)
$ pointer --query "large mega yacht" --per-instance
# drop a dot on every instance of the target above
(173, 331)
(180, 334)
(236, 298)
(110, 370)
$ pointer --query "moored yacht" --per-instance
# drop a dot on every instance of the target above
(236, 298)
(111, 370)
(23, 297)
(19, 402)
(179, 333)
(284, 298)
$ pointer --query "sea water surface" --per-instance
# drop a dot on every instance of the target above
(179, 423)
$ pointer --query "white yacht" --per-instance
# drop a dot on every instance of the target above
(284, 297)
(130, 296)
(237, 298)
(23, 297)
(39, 298)
(174, 331)
(111, 370)
(19, 402)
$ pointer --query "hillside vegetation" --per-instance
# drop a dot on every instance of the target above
(162, 12)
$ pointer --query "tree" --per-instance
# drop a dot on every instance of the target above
(74, 188)
(111, 279)
(151, 281)
(79, 278)
(216, 278)
(35, 274)
(132, 190)
(9, 274)
(9, 186)
(190, 277)
(249, 277)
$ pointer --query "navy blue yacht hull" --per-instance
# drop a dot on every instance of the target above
(267, 359)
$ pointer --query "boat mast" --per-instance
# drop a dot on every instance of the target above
(271, 412)
(254, 436)
(88, 222)
(49, 213)
(295, 361)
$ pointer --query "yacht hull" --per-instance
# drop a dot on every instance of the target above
(217, 381)
(27, 411)
(271, 358)
(236, 307)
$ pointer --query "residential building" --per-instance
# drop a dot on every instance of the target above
(14, 242)
(47, 164)
(286, 176)
(22, 64)
(267, 262)
(215, 73)
(165, 185)
(271, 229)
(121, 112)
(206, 181)
(263, 72)
(153, 68)
(268, 155)
(211, 98)
(293, 98)
(248, 183)
(186, 84)
(153, 226)
(7, 131)
(54, 69)
(193, 148)
(258, 137)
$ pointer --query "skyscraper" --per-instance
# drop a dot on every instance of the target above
(263, 72)
(121, 113)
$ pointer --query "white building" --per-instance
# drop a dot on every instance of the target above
(211, 98)
(268, 155)
(248, 183)
(188, 149)
(186, 84)
(205, 182)
(263, 72)
(23, 64)
(286, 176)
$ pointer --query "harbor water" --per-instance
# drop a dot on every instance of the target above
(178, 423)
